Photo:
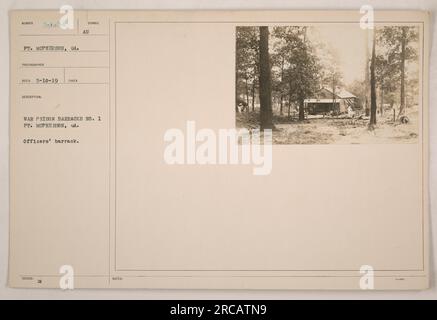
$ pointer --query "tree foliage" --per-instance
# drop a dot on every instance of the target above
(398, 47)
(295, 68)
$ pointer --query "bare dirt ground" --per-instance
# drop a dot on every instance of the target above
(319, 130)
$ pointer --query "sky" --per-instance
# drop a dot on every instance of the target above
(348, 43)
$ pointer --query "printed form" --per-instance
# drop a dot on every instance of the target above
(222, 150)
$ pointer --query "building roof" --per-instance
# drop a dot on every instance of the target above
(341, 93)
(318, 100)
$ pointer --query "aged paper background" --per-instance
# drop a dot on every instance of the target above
(327, 146)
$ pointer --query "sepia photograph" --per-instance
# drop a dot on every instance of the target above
(334, 83)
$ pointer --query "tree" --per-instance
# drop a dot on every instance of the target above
(358, 87)
(373, 106)
(279, 88)
(333, 79)
(367, 77)
(300, 69)
(331, 75)
(386, 73)
(265, 90)
(247, 55)
(399, 41)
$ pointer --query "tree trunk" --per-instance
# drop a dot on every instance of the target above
(382, 101)
(253, 97)
(373, 87)
(403, 45)
(236, 89)
(301, 110)
(281, 110)
(265, 85)
(289, 103)
(247, 93)
(333, 93)
(367, 78)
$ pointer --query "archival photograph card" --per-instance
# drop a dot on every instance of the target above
(219, 149)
